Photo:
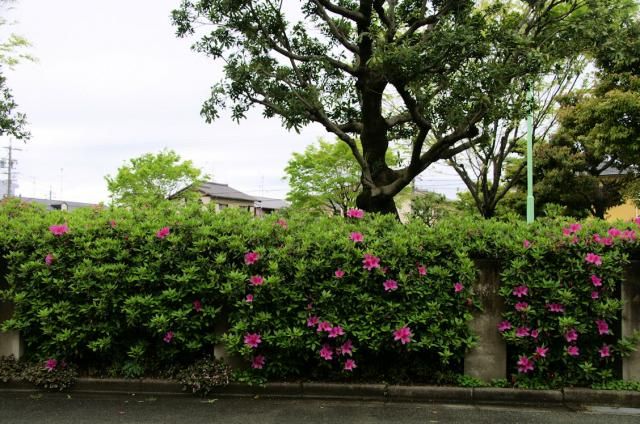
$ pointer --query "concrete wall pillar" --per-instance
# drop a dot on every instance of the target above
(631, 318)
(10, 341)
(488, 359)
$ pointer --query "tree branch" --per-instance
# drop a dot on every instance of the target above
(334, 29)
(350, 14)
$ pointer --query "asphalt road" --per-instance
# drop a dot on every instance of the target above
(17, 408)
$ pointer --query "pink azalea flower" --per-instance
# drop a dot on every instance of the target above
(636, 220)
(356, 237)
(346, 348)
(535, 333)
(525, 364)
(326, 352)
(566, 232)
(605, 351)
(555, 307)
(504, 326)
(256, 280)
(349, 365)
(573, 351)
(339, 273)
(458, 287)
(312, 321)
(324, 326)
(521, 290)
(541, 351)
(603, 327)
(51, 364)
(403, 334)
(595, 295)
(526, 244)
(168, 337)
(252, 340)
(370, 262)
(58, 230)
(597, 281)
(251, 258)
(629, 235)
(249, 298)
(113, 223)
(571, 335)
(614, 232)
(48, 259)
(282, 223)
(355, 213)
(575, 227)
(422, 270)
(521, 306)
(257, 362)
(390, 285)
(523, 331)
(592, 258)
(606, 241)
(335, 332)
(163, 232)
(197, 305)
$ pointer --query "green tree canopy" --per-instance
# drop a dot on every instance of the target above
(151, 178)
(324, 177)
(447, 64)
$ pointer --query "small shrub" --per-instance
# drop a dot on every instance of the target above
(204, 376)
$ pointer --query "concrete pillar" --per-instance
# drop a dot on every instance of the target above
(219, 349)
(631, 318)
(488, 359)
(10, 341)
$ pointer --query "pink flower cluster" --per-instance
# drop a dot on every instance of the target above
(355, 213)
(168, 337)
(163, 232)
(59, 230)
(594, 259)
(333, 332)
(572, 229)
(356, 237)
(252, 340)
(370, 262)
(403, 334)
(251, 258)
(390, 285)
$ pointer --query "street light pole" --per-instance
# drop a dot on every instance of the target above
(530, 200)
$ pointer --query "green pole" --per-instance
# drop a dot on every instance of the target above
(530, 211)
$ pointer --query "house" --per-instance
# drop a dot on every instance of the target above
(267, 205)
(224, 196)
(59, 205)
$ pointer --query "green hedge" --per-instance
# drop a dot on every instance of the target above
(132, 292)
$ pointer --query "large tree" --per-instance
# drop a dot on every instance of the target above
(447, 62)
(151, 178)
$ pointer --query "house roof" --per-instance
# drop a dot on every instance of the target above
(270, 203)
(56, 204)
(223, 191)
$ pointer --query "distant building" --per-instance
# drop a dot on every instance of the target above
(267, 205)
(223, 196)
(57, 205)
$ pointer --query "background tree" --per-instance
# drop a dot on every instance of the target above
(324, 177)
(591, 160)
(151, 178)
(448, 62)
(12, 122)
(482, 167)
(430, 207)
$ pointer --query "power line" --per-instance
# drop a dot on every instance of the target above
(9, 163)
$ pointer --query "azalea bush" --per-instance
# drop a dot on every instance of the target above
(133, 292)
(563, 306)
(369, 297)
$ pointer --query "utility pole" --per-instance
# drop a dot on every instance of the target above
(10, 163)
(530, 200)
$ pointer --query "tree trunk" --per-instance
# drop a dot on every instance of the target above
(379, 204)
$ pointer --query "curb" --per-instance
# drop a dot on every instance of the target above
(358, 392)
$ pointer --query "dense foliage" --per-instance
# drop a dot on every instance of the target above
(381, 70)
(133, 292)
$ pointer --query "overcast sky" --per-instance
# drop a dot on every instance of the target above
(113, 82)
